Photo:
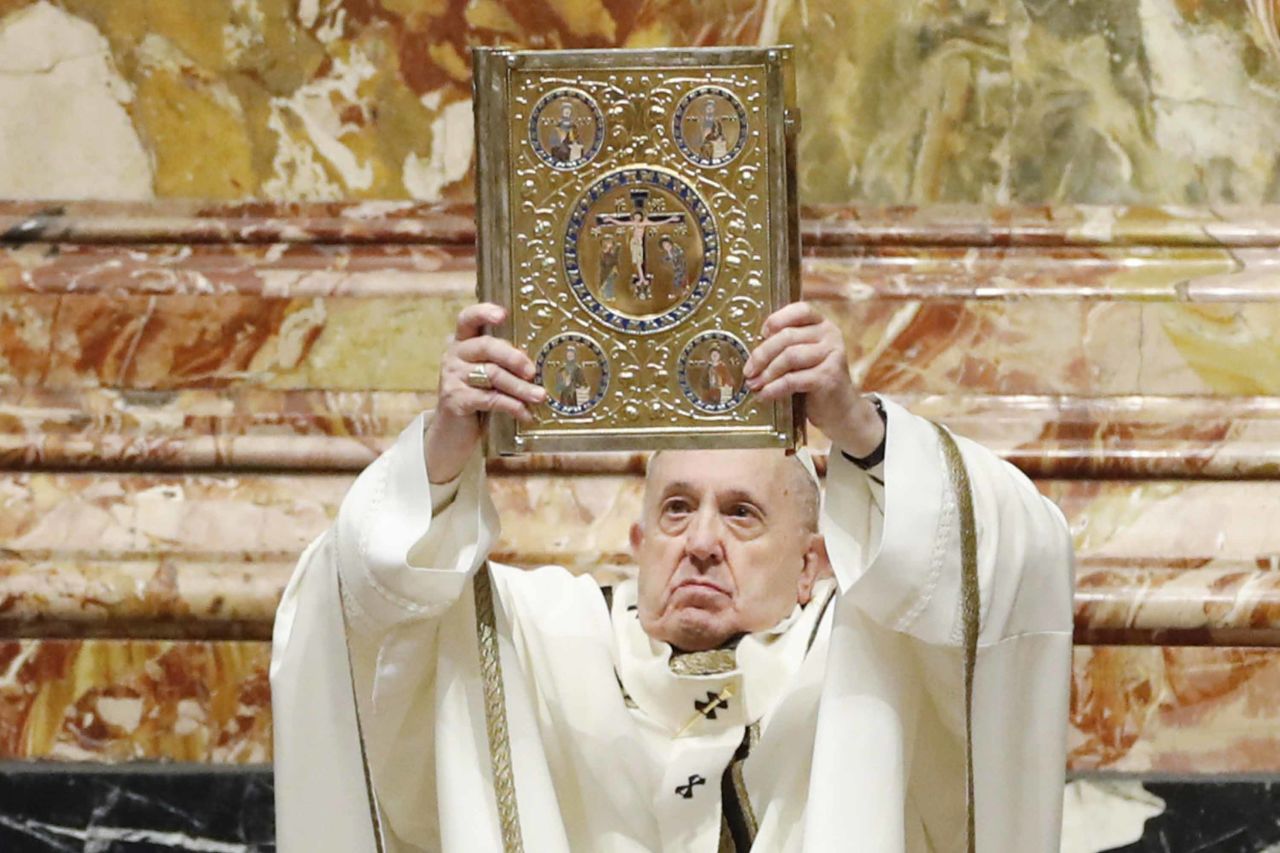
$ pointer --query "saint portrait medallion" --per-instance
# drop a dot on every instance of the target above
(710, 372)
(640, 250)
(575, 373)
(566, 128)
(709, 126)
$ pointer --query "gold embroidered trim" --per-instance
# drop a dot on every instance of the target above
(495, 713)
(970, 607)
(712, 662)
(378, 844)
(817, 623)
(740, 784)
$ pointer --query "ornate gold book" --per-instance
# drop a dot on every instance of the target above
(637, 216)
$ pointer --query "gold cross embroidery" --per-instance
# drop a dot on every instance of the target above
(715, 701)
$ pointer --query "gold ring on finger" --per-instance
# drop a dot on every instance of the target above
(479, 378)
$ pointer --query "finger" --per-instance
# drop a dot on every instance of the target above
(479, 400)
(796, 382)
(500, 402)
(776, 343)
(792, 359)
(473, 319)
(515, 387)
(795, 314)
(495, 350)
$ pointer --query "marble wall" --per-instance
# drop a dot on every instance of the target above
(992, 101)
(233, 234)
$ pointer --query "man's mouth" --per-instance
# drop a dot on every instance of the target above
(695, 585)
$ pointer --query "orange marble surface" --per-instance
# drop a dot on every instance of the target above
(1133, 709)
(85, 700)
(990, 101)
(1101, 342)
(207, 555)
(262, 342)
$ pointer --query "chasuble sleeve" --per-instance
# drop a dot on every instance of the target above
(405, 574)
(896, 549)
(897, 555)
(399, 561)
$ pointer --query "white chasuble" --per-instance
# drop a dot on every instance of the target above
(841, 728)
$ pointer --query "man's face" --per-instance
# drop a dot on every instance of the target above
(715, 356)
(571, 353)
(725, 545)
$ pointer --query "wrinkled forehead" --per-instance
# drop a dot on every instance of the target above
(763, 472)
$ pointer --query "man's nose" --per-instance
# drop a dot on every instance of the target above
(705, 539)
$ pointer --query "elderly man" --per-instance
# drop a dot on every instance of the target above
(774, 679)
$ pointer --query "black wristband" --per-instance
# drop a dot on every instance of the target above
(875, 457)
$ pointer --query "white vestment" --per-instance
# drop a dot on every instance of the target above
(842, 728)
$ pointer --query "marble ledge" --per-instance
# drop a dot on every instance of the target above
(190, 221)
(1048, 436)
(1167, 711)
(860, 272)
(181, 597)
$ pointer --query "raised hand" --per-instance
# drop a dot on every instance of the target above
(803, 353)
(479, 374)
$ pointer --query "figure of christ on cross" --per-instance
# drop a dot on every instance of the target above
(636, 225)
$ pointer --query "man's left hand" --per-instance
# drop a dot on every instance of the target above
(803, 353)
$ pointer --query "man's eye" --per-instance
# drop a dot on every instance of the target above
(676, 507)
(741, 511)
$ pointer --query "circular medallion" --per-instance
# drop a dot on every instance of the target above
(640, 250)
(575, 373)
(709, 126)
(710, 372)
(566, 128)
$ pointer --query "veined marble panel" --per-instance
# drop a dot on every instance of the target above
(223, 99)
(256, 429)
(77, 700)
(1134, 709)
(822, 226)
(1171, 710)
(167, 342)
(207, 556)
(156, 809)
(201, 808)
(215, 354)
(1096, 101)
(1111, 101)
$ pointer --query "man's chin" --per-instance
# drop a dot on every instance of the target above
(694, 629)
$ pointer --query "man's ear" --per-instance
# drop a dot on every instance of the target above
(817, 565)
(637, 539)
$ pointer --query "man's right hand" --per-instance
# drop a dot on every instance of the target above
(455, 429)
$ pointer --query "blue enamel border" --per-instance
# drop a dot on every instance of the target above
(536, 142)
(647, 177)
(678, 119)
(682, 372)
(601, 387)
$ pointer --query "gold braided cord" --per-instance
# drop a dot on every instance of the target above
(740, 783)
(378, 844)
(495, 713)
(970, 607)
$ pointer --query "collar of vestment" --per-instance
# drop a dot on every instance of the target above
(700, 693)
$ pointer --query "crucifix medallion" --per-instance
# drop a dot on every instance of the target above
(640, 250)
